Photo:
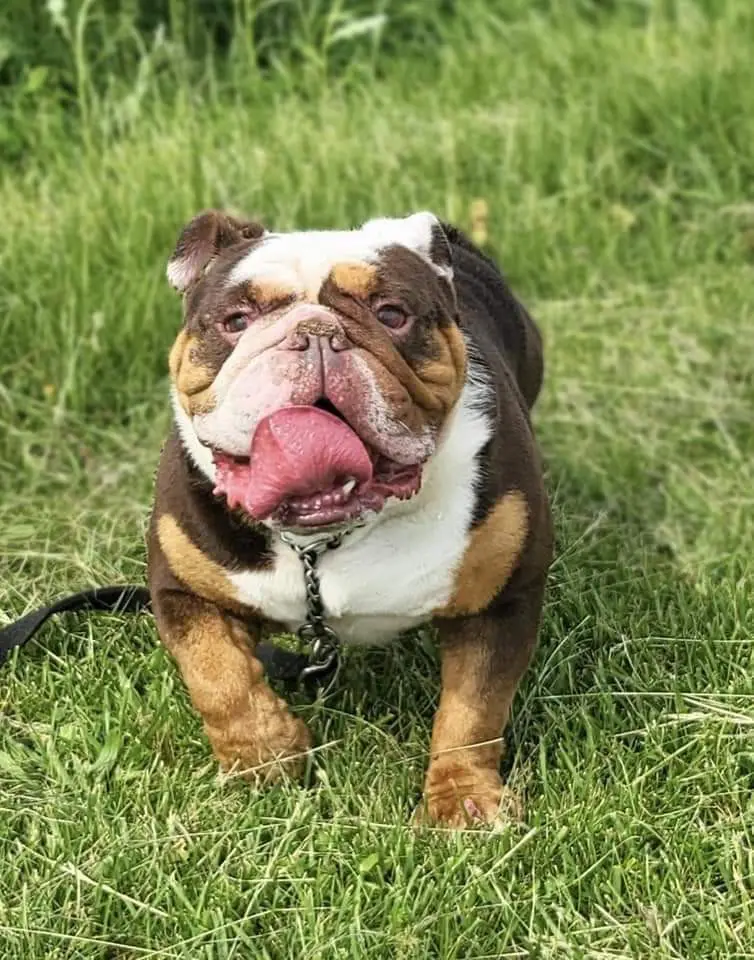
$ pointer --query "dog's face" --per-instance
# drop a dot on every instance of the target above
(315, 370)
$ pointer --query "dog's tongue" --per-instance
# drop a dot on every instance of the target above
(295, 452)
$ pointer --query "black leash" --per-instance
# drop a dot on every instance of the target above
(279, 664)
(318, 667)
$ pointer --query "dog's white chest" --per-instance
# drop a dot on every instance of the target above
(392, 575)
(375, 585)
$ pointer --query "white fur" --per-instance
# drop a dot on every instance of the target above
(303, 260)
(179, 273)
(390, 575)
(201, 455)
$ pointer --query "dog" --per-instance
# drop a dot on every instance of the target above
(373, 384)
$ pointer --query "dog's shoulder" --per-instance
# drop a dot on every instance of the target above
(193, 539)
(510, 537)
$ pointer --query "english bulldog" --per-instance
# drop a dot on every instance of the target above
(375, 382)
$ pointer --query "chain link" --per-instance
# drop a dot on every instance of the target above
(323, 640)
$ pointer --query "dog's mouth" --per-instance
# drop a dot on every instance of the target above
(308, 468)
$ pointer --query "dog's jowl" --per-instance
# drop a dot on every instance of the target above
(376, 382)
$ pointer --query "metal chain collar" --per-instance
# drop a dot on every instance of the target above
(323, 640)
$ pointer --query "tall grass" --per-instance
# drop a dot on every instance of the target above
(603, 151)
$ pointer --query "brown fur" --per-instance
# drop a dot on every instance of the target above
(193, 379)
(175, 356)
(204, 238)
(252, 732)
(483, 659)
(445, 374)
(491, 556)
(268, 294)
(202, 575)
(356, 279)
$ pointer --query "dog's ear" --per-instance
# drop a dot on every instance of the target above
(200, 242)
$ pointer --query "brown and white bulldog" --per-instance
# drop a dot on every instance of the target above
(378, 381)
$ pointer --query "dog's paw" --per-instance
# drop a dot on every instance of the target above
(265, 745)
(460, 797)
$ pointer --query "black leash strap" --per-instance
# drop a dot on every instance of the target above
(126, 599)
(279, 664)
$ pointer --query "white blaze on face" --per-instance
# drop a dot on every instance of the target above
(302, 261)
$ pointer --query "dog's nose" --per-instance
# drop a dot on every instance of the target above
(313, 327)
(301, 340)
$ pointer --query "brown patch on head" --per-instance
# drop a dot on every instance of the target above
(420, 373)
(176, 354)
(439, 248)
(194, 568)
(193, 379)
(494, 549)
(434, 348)
(355, 279)
(207, 248)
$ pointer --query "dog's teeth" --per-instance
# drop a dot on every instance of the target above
(348, 486)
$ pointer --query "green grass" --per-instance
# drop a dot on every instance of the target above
(615, 154)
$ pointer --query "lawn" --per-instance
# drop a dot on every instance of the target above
(613, 145)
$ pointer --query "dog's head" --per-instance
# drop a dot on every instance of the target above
(315, 370)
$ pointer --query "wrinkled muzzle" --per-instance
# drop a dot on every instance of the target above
(308, 429)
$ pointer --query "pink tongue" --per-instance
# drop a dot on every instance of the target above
(300, 451)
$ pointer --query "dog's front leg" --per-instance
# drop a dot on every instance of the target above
(483, 659)
(251, 730)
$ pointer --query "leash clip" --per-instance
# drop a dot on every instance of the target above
(324, 657)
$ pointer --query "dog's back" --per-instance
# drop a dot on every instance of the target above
(483, 296)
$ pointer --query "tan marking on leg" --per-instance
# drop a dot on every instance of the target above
(463, 784)
(194, 568)
(251, 730)
(192, 380)
(483, 659)
(492, 554)
(357, 279)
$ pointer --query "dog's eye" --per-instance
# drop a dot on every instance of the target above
(392, 316)
(234, 324)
